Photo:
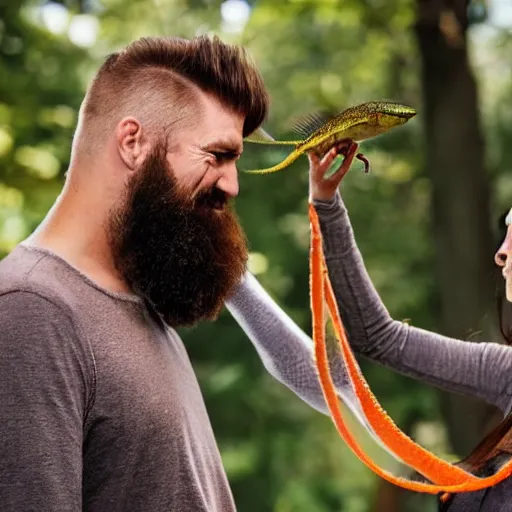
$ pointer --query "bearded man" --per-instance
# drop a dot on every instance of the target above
(101, 409)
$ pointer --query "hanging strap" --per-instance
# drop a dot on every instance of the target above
(445, 476)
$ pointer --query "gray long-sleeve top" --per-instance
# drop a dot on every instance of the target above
(479, 369)
(483, 370)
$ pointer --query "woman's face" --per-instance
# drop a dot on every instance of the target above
(503, 256)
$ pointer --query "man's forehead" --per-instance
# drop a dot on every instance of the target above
(217, 126)
(215, 111)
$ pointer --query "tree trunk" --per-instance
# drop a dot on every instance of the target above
(461, 219)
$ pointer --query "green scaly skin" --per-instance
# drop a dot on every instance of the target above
(357, 123)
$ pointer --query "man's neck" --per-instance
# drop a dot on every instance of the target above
(75, 230)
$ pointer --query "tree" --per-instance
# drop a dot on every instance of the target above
(455, 164)
(279, 454)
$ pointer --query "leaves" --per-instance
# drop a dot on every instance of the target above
(314, 56)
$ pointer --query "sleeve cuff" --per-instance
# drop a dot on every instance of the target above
(335, 226)
(329, 206)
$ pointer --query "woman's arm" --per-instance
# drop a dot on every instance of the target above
(483, 370)
(285, 350)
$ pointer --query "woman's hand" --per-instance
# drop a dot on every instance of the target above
(322, 188)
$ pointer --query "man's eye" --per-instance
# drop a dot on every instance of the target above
(223, 157)
(220, 157)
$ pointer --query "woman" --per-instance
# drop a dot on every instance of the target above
(483, 370)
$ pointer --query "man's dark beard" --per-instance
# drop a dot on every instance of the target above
(184, 256)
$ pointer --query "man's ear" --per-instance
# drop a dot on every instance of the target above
(131, 143)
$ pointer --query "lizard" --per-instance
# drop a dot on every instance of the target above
(357, 123)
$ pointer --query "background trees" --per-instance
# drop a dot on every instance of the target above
(426, 219)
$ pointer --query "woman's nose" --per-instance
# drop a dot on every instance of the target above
(500, 258)
(504, 253)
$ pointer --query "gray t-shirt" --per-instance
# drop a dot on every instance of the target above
(101, 410)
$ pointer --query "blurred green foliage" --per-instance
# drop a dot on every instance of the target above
(280, 455)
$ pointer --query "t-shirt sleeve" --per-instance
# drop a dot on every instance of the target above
(44, 394)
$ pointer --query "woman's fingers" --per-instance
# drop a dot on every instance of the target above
(319, 166)
(313, 159)
(338, 175)
(328, 158)
(324, 188)
(344, 145)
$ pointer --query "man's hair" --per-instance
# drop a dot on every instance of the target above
(157, 80)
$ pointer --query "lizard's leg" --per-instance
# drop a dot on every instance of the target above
(365, 161)
(343, 148)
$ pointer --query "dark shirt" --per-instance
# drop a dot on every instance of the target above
(101, 410)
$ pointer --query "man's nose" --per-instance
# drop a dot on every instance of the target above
(504, 253)
(228, 181)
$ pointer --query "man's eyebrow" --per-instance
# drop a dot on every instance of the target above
(224, 146)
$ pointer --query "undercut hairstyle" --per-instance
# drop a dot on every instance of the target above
(157, 80)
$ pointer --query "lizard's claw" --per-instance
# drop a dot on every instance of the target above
(365, 161)
(345, 146)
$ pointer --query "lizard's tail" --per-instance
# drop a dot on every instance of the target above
(274, 142)
(260, 136)
(285, 163)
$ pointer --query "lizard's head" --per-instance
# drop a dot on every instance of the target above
(392, 114)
